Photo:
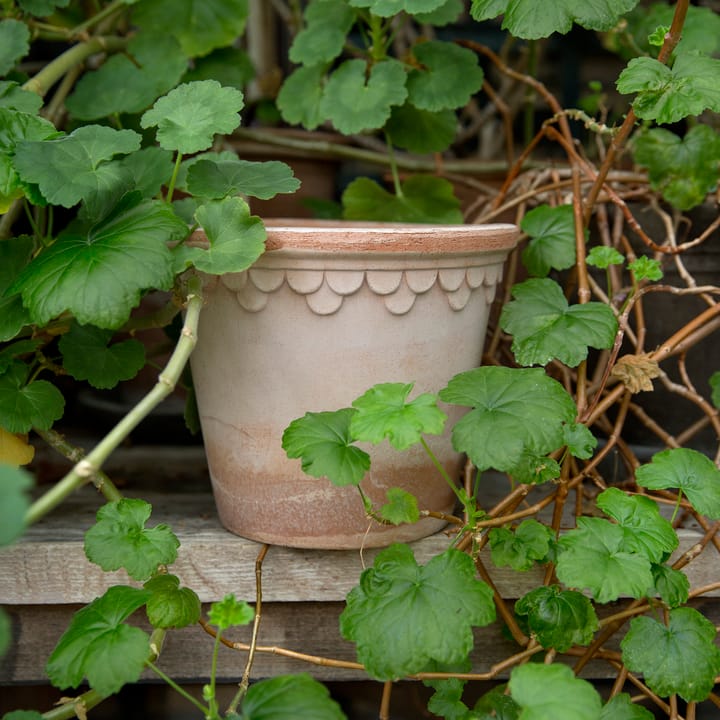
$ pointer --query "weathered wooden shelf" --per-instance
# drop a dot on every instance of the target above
(45, 578)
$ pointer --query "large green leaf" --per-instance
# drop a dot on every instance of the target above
(684, 169)
(355, 100)
(688, 470)
(289, 697)
(99, 646)
(15, 97)
(421, 131)
(171, 606)
(14, 502)
(324, 444)
(98, 274)
(669, 94)
(190, 115)
(14, 43)
(129, 82)
(119, 539)
(383, 412)
(403, 615)
(327, 23)
(25, 405)
(150, 169)
(679, 657)
(300, 97)
(522, 547)
(552, 239)
(595, 557)
(532, 19)
(422, 199)
(198, 25)
(545, 327)
(515, 410)
(552, 691)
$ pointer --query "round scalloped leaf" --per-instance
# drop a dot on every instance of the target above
(14, 43)
(421, 131)
(621, 707)
(388, 8)
(23, 406)
(230, 612)
(189, 116)
(171, 606)
(445, 14)
(355, 101)
(552, 239)
(327, 23)
(300, 97)
(14, 97)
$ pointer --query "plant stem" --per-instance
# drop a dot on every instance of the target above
(86, 468)
(177, 688)
(440, 468)
(101, 15)
(173, 179)
(87, 701)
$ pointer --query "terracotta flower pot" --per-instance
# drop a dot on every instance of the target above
(329, 310)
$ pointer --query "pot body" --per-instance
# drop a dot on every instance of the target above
(327, 312)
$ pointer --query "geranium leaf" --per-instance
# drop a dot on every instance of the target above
(18, 714)
(447, 699)
(74, 167)
(401, 507)
(230, 66)
(679, 657)
(447, 78)
(386, 8)
(14, 502)
(289, 697)
(98, 273)
(230, 612)
(119, 539)
(520, 548)
(670, 94)
(423, 198)
(14, 97)
(217, 178)
(602, 257)
(531, 19)
(87, 355)
(684, 169)
(546, 327)
(129, 82)
(646, 531)
(384, 413)
(300, 97)
(671, 585)
(558, 618)
(421, 131)
(236, 238)
(688, 470)
(403, 615)
(579, 440)
(323, 442)
(515, 410)
(496, 705)
(23, 406)
(646, 268)
(553, 691)
(552, 239)
(198, 25)
(43, 8)
(621, 707)
(595, 556)
(14, 43)
(354, 100)
(171, 606)
(99, 646)
(327, 23)
(149, 168)
(190, 115)
(13, 315)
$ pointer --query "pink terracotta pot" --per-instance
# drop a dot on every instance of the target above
(329, 310)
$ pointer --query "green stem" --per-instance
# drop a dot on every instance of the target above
(677, 506)
(87, 701)
(440, 468)
(173, 179)
(90, 465)
(393, 166)
(203, 709)
(104, 13)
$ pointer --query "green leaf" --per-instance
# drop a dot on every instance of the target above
(14, 503)
(621, 707)
(230, 66)
(579, 440)
(150, 169)
(323, 442)
(670, 94)
(679, 657)
(388, 8)
(553, 691)
(403, 615)
(515, 410)
(714, 382)
(14, 43)
(300, 97)
(546, 327)
(199, 26)
(497, 705)
(552, 243)
(447, 77)
(171, 606)
(42, 8)
(87, 355)
(14, 97)
(520, 548)
(230, 612)
(402, 507)
(558, 618)
(445, 14)
(421, 131)
(13, 315)
(212, 178)
(237, 239)
(646, 531)
(189, 117)
(21, 714)
(688, 470)
(119, 539)
(129, 82)
(646, 268)
(447, 702)
(422, 199)
(73, 167)
(535, 469)
(355, 100)
(24, 405)
(98, 274)
(595, 556)
(289, 697)
(99, 646)
(602, 257)
(671, 585)
(327, 23)
(685, 169)
(384, 413)
(531, 19)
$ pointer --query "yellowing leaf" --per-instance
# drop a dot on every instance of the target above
(637, 372)
(14, 449)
